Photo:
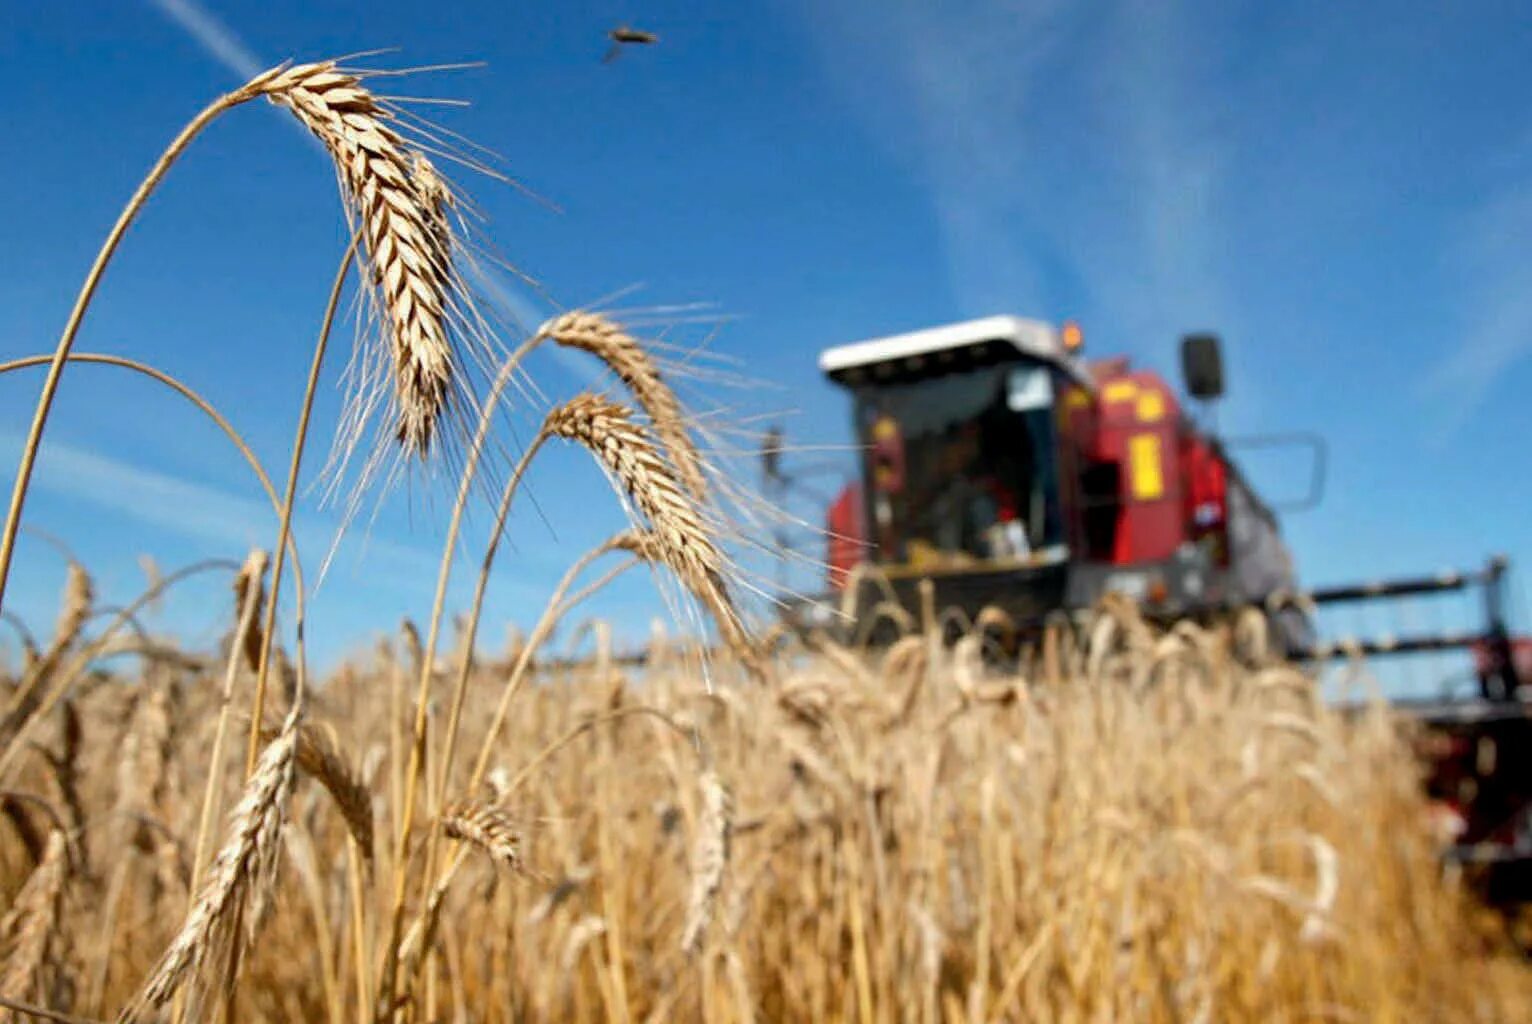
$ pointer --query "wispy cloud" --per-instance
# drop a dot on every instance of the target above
(527, 314)
(1493, 268)
(216, 38)
(1064, 147)
(196, 510)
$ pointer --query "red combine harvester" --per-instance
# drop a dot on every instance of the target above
(1009, 472)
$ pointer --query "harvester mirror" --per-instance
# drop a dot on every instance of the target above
(1202, 365)
(771, 454)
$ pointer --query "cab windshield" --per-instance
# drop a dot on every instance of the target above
(962, 467)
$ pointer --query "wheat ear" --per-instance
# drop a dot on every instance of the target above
(489, 828)
(79, 595)
(145, 759)
(74, 610)
(319, 759)
(398, 199)
(250, 582)
(607, 341)
(710, 859)
(29, 928)
(237, 885)
(683, 537)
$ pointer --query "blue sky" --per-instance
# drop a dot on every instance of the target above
(1347, 199)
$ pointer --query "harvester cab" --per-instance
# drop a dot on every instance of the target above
(1010, 472)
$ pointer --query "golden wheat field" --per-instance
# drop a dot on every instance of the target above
(1152, 831)
(1122, 824)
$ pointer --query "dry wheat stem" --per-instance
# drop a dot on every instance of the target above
(259, 85)
(470, 633)
(43, 1013)
(77, 316)
(284, 526)
(406, 823)
(553, 610)
(203, 405)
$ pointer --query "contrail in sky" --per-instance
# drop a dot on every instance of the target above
(216, 37)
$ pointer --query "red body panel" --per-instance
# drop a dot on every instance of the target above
(844, 527)
(1205, 507)
(1136, 426)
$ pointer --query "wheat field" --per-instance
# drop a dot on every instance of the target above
(1121, 824)
(1151, 829)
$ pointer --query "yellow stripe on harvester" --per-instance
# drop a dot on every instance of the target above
(1144, 459)
(1120, 391)
(1151, 407)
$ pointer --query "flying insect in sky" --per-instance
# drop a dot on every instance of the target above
(624, 35)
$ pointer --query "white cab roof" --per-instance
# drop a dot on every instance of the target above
(1030, 337)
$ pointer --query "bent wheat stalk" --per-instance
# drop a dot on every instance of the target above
(427, 661)
(284, 526)
(553, 610)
